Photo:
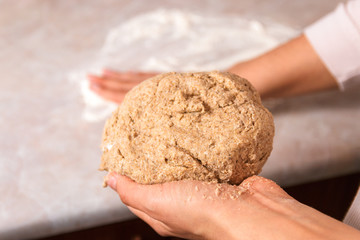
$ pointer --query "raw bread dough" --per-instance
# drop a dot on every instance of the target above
(208, 126)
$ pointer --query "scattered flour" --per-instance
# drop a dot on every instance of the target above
(175, 40)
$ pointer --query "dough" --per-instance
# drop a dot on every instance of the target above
(208, 126)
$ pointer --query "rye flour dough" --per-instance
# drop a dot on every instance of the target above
(208, 126)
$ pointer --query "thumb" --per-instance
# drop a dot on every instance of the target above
(135, 195)
(111, 180)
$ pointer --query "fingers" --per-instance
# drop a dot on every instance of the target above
(109, 89)
(270, 195)
(122, 76)
(112, 83)
(128, 76)
(158, 226)
(114, 74)
(264, 186)
(138, 196)
(114, 96)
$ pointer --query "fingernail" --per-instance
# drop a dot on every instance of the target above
(111, 181)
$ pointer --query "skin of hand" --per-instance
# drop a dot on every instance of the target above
(256, 209)
(291, 69)
(113, 85)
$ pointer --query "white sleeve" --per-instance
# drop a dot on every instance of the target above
(352, 217)
(336, 39)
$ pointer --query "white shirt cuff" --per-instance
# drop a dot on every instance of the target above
(336, 39)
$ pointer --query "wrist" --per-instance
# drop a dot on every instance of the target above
(258, 72)
(291, 69)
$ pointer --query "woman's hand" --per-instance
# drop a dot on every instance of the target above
(256, 209)
(113, 85)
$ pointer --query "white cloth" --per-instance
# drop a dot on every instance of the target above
(336, 39)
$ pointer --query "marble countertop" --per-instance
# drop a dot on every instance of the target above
(49, 181)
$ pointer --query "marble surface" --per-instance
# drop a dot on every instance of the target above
(49, 181)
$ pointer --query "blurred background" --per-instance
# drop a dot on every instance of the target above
(51, 123)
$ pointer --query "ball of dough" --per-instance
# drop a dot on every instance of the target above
(208, 126)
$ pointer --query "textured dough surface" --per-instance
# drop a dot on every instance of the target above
(208, 126)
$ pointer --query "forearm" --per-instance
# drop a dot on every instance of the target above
(292, 69)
